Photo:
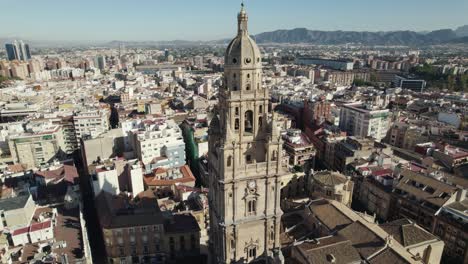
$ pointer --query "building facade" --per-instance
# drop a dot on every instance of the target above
(38, 148)
(244, 163)
(362, 120)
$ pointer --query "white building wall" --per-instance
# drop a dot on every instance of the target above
(136, 178)
(107, 181)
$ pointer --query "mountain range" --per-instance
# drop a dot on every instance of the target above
(405, 38)
(299, 36)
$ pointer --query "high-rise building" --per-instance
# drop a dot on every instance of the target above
(244, 157)
(101, 62)
(18, 51)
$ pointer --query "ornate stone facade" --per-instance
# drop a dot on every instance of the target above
(245, 167)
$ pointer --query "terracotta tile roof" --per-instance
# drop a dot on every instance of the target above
(182, 223)
(40, 226)
(67, 172)
(152, 180)
(17, 168)
(20, 231)
(334, 249)
(437, 197)
(329, 178)
(362, 238)
(329, 215)
(388, 255)
(115, 211)
(406, 232)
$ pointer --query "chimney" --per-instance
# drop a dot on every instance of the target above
(461, 195)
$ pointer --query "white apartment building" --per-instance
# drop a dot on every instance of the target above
(34, 149)
(118, 176)
(159, 143)
(363, 120)
(91, 124)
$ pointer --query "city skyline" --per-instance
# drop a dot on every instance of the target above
(204, 20)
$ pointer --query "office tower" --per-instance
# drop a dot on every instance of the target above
(18, 51)
(12, 51)
(101, 62)
(166, 53)
(245, 149)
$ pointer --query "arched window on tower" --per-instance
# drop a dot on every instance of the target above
(248, 126)
(251, 207)
(248, 75)
(274, 155)
(229, 161)
(247, 87)
(236, 124)
(260, 109)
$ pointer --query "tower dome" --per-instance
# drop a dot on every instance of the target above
(242, 51)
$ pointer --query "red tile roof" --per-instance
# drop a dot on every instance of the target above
(187, 176)
(40, 226)
(20, 231)
(67, 172)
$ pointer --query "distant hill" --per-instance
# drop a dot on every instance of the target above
(407, 38)
(462, 31)
(293, 36)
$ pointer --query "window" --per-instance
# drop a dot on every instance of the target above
(236, 110)
(274, 155)
(248, 159)
(229, 161)
(251, 206)
(182, 243)
(234, 60)
(260, 122)
(143, 229)
(236, 124)
(253, 252)
(329, 193)
(248, 121)
(260, 109)
(248, 75)
(193, 241)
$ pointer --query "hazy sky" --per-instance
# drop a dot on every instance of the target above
(89, 20)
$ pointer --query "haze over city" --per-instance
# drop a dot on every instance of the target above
(106, 20)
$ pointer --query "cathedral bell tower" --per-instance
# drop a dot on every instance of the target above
(244, 161)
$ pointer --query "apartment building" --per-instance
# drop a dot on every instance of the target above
(364, 120)
(159, 143)
(34, 149)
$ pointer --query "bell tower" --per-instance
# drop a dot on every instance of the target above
(244, 161)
